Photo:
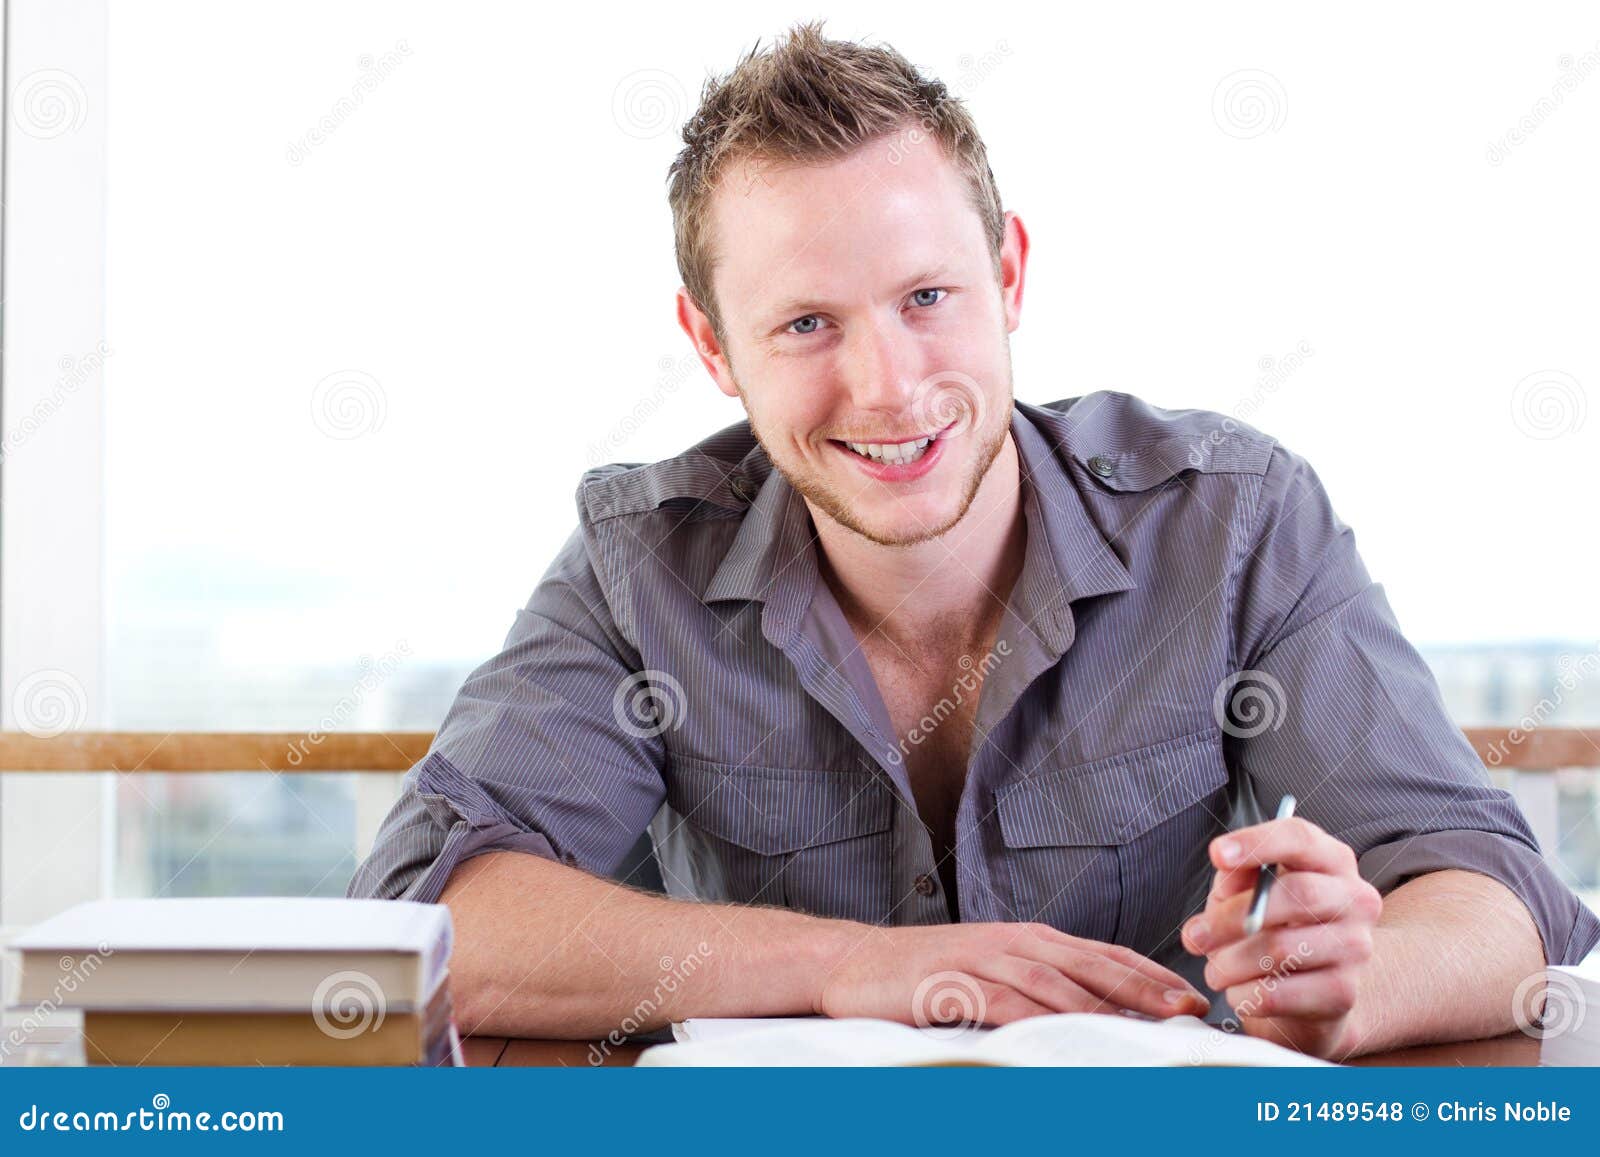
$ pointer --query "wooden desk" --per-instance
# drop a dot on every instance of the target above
(1513, 1049)
(62, 1047)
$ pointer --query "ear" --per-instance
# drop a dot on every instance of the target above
(701, 332)
(1013, 267)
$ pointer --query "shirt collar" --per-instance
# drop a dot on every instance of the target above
(773, 558)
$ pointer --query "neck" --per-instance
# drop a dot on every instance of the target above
(946, 590)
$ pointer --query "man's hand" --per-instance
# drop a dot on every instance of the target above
(1295, 981)
(970, 974)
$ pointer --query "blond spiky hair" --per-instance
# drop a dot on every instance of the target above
(809, 100)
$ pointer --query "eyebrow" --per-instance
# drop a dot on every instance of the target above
(801, 307)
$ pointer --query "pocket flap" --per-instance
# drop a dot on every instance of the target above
(1112, 800)
(775, 810)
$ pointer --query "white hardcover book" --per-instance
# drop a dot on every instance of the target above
(265, 953)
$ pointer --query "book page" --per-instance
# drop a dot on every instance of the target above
(1065, 1039)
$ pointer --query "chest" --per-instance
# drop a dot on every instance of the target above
(932, 702)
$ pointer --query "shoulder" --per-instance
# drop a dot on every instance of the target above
(715, 475)
(1127, 443)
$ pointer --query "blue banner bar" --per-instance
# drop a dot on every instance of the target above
(759, 1111)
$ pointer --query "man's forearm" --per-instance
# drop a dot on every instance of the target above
(1448, 953)
(545, 950)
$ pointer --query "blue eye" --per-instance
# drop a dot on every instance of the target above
(811, 323)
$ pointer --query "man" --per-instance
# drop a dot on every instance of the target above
(932, 700)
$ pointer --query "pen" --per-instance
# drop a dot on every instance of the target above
(1269, 872)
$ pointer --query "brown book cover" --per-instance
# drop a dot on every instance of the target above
(269, 1038)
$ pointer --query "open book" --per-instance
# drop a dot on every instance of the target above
(1073, 1038)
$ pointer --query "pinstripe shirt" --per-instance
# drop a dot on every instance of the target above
(1192, 635)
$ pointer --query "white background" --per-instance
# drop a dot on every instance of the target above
(480, 256)
(488, 238)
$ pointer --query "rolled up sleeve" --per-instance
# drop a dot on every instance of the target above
(535, 754)
(1332, 704)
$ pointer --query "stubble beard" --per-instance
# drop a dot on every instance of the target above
(836, 506)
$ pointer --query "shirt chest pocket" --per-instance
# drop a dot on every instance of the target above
(1115, 850)
(814, 841)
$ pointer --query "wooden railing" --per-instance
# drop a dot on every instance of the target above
(1524, 762)
(372, 752)
(385, 752)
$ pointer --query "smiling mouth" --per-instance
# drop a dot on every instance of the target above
(893, 453)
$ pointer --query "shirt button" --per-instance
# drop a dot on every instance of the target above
(1102, 466)
(744, 488)
(925, 885)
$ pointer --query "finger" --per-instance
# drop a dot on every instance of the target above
(1326, 992)
(1002, 1005)
(1043, 984)
(1227, 882)
(1295, 842)
(1119, 953)
(1295, 898)
(1282, 951)
(1121, 983)
(1058, 980)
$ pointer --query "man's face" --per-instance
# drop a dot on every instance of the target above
(860, 305)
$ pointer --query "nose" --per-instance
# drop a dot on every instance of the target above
(881, 368)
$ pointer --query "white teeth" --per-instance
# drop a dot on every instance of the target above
(893, 452)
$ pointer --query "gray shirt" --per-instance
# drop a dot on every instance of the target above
(1192, 635)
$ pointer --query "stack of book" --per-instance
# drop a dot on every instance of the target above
(249, 981)
(1570, 1026)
